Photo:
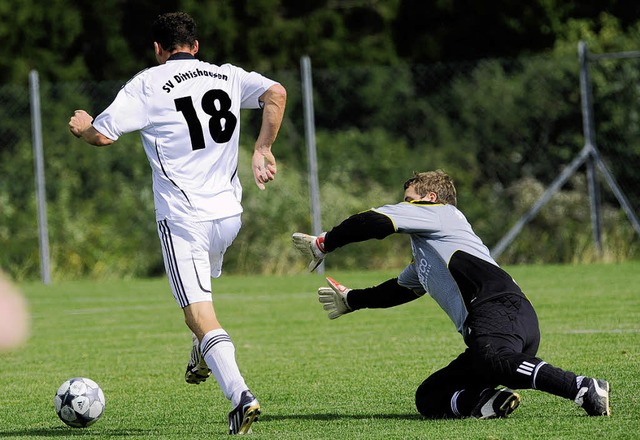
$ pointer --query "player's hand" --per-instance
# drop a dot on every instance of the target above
(334, 299)
(311, 247)
(79, 122)
(263, 165)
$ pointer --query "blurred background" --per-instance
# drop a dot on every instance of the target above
(488, 91)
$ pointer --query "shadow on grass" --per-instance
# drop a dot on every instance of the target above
(331, 416)
(64, 432)
(73, 432)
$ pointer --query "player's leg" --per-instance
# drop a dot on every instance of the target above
(504, 341)
(455, 390)
(186, 250)
(435, 395)
(217, 349)
(197, 369)
(246, 407)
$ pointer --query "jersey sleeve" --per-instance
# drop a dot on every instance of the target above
(126, 113)
(359, 227)
(253, 85)
(411, 218)
(385, 295)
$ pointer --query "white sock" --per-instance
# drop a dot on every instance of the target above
(219, 353)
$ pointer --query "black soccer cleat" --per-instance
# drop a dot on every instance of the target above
(243, 415)
(593, 397)
(197, 369)
(495, 404)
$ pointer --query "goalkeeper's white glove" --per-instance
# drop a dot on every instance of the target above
(312, 247)
(334, 299)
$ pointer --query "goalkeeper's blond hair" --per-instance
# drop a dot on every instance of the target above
(438, 182)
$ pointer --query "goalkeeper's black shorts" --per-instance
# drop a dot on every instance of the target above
(502, 335)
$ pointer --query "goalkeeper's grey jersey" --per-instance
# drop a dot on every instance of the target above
(188, 114)
(450, 262)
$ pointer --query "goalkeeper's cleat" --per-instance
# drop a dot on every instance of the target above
(593, 397)
(243, 415)
(197, 369)
(334, 299)
(495, 404)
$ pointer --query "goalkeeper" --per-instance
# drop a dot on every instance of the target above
(451, 264)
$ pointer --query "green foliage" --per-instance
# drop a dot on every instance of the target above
(272, 34)
(74, 39)
(563, 229)
(93, 197)
(614, 87)
(503, 128)
(272, 216)
(39, 35)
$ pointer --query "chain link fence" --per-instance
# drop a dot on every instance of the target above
(503, 128)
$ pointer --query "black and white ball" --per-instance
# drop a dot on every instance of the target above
(79, 402)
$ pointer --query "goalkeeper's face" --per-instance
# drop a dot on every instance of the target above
(410, 195)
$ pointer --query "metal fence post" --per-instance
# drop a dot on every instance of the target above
(38, 158)
(310, 136)
(588, 128)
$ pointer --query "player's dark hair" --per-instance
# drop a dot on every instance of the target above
(174, 29)
(438, 182)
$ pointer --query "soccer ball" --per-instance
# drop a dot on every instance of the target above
(79, 402)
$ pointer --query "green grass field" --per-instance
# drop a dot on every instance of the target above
(351, 378)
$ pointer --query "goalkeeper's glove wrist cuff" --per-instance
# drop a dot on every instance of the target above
(320, 243)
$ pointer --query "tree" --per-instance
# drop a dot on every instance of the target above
(39, 35)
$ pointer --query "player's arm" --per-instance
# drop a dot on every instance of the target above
(339, 300)
(273, 103)
(359, 227)
(80, 126)
(382, 296)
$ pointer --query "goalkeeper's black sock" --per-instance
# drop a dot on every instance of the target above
(557, 381)
(463, 402)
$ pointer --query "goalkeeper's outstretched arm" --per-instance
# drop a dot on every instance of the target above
(382, 296)
(339, 300)
(358, 227)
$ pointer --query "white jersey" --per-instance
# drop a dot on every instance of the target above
(188, 114)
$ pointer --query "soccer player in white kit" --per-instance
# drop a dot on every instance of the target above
(188, 114)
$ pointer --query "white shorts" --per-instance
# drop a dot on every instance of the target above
(193, 253)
